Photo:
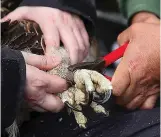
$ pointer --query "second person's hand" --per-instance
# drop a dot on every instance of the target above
(136, 81)
(57, 26)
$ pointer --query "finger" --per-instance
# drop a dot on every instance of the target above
(17, 14)
(130, 93)
(76, 31)
(83, 31)
(51, 103)
(124, 37)
(84, 35)
(55, 84)
(41, 62)
(51, 35)
(136, 102)
(70, 42)
(81, 44)
(149, 103)
(44, 81)
(121, 79)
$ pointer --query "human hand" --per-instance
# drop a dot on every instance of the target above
(41, 88)
(57, 25)
(136, 81)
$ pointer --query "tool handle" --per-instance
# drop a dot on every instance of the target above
(115, 55)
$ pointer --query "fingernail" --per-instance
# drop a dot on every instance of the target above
(4, 20)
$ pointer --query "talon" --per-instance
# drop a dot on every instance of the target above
(70, 106)
(90, 97)
(103, 97)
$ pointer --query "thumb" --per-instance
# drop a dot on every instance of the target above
(41, 62)
(17, 14)
(121, 79)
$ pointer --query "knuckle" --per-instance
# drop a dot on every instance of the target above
(151, 19)
(57, 15)
(134, 28)
(82, 48)
(79, 22)
(132, 65)
(62, 85)
(115, 91)
(55, 43)
(76, 49)
(119, 37)
(67, 18)
(136, 64)
(74, 28)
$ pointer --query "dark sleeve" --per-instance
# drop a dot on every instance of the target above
(13, 76)
(84, 8)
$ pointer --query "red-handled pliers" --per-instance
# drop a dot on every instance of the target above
(102, 62)
(114, 56)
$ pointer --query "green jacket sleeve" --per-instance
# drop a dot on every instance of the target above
(131, 7)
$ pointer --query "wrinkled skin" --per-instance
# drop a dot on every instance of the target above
(140, 65)
(26, 36)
